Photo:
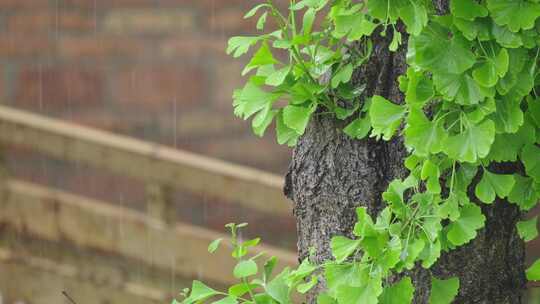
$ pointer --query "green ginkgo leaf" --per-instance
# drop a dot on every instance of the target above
(305, 287)
(531, 159)
(505, 37)
(251, 99)
(227, 300)
(423, 135)
(464, 229)
(533, 109)
(430, 254)
(528, 230)
(398, 293)
(516, 14)
(297, 117)
(337, 275)
(278, 288)
(285, 134)
(474, 143)
(460, 88)
(262, 21)
(414, 16)
(385, 9)
(435, 50)
(486, 75)
(414, 249)
(533, 272)
(418, 89)
(385, 117)
(396, 41)
(508, 118)
(364, 28)
(199, 292)
(443, 291)
(261, 58)
(245, 268)
(507, 146)
(368, 293)
(309, 18)
(450, 208)
(466, 27)
(501, 62)
(354, 26)
(525, 194)
(467, 9)
(238, 46)
(343, 247)
(278, 76)
(342, 76)
(214, 245)
(523, 86)
(358, 128)
(494, 184)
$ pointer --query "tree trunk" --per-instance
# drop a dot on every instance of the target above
(330, 175)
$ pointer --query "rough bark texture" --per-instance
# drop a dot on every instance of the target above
(330, 175)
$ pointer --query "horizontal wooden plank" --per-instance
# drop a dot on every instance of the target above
(139, 159)
(61, 263)
(59, 216)
(38, 280)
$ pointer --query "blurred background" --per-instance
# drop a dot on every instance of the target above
(154, 70)
(99, 215)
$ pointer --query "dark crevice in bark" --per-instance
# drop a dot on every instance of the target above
(331, 174)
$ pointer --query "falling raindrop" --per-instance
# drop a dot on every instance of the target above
(56, 20)
(173, 274)
(95, 17)
(175, 123)
(40, 75)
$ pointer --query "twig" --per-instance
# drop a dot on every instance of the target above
(70, 299)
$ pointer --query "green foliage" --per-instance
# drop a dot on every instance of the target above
(401, 292)
(255, 284)
(528, 230)
(494, 184)
(443, 291)
(352, 278)
(463, 230)
(533, 272)
(470, 101)
(316, 74)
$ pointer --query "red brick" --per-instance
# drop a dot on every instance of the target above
(214, 5)
(148, 21)
(120, 3)
(3, 97)
(157, 87)
(49, 21)
(24, 3)
(227, 80)
(204, 4)
(13, 45)
(228, 21)
(58, 87)
(275, 158)
(192, 47)
(102, 48)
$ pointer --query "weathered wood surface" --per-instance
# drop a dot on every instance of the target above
(58, 216)
(41, 276)
(152, 163)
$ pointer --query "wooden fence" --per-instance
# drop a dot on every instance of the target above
(153, 238)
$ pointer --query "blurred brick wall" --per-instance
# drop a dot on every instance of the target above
(153, 69)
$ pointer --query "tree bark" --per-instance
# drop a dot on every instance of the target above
(330, 175)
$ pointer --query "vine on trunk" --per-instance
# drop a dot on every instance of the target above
(470, 104)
